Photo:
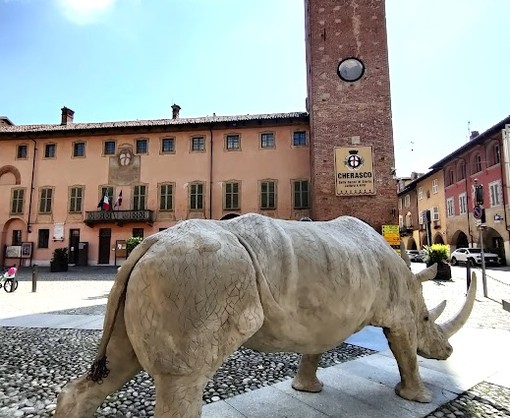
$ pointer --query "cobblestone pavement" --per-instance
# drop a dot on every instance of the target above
(35, 363)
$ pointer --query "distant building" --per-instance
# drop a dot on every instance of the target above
(63, 181)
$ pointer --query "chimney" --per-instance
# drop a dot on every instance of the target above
(175, 111)
(67, 116)
(473, 135)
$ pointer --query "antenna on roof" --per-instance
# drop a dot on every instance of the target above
(469, 130)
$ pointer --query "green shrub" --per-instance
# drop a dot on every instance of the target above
(132, 242)
(60, 260)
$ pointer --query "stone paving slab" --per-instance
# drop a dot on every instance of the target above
(55, 321)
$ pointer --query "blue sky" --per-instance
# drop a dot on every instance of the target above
(131, 59)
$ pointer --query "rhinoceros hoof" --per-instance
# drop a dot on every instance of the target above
(420, 394)
(313, 387)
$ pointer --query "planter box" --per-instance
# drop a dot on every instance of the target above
(444, 272)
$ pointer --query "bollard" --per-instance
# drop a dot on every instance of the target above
(34, 278)
(468, 275)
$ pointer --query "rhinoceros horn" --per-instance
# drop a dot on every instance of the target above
(437, 311)
(453, 325)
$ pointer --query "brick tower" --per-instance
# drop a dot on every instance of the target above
(351, 139)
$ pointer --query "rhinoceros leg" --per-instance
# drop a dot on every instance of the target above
(306, 376)
(81, 397)
(179, 396)
(404, 349)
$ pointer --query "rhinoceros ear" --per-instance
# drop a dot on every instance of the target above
(403, 254)
(427, 274)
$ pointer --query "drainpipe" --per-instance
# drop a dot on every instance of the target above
(29, 220)
(210, 171)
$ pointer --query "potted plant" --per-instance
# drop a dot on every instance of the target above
(60, 260)
(439, 253)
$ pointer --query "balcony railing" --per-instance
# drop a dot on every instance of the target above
(119, 217)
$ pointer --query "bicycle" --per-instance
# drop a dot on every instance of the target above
(8, 282)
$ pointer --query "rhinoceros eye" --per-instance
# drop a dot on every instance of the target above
(426, 318)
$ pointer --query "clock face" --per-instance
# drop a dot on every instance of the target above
(350, 69)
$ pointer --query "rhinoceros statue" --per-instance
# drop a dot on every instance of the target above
(188, 297)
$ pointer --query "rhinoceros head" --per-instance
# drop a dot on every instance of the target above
(432, 338)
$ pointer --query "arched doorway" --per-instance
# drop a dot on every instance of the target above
(493, 242)
(438, 239)
(411, 244)
(459, 240)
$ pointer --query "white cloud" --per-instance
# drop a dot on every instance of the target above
(84, 12)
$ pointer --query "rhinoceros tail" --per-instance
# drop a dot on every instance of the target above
(98, 371)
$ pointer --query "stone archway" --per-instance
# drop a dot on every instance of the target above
(493, 242)
(459, 240)
(411, 244)
(10, 169)
(438, 239)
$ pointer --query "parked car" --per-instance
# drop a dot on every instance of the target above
(473, 256)
(416, 256)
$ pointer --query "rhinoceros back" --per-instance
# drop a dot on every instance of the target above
(318, 281)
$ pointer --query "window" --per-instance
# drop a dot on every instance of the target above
(400, 221)
(409, 221)
(109, 147)
(75, 199)
(299, 139)
(79, 149)
(43, 237)
(420, 193)
(139, 195)
(166, 197)
(493, 155)
(462, 203)
(198, 143)
(461, 171)
(267, 195)
(435, 213)
(495, 193)
(400, 203)
(267, 140)
(142, 146)
(16, 237)
(231, 201)
(450, 208)
(301, 195)
(233, 142)
(435, 187)
(50, 150)
(45, 200)
(22, 152)
(196, 196)
(407, 200)
(167, 145)
(420, 217)
(137, 232)
(476, 164)
(17, 200)
(450, 178)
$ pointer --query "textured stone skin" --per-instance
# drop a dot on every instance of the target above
(189, 296)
